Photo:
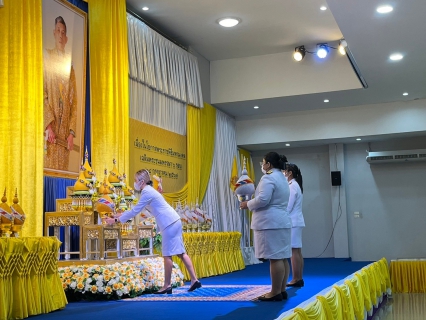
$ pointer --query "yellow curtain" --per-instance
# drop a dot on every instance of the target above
(201, 125)
(109, 72)
(21, 108)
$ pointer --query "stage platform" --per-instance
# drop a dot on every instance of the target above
(76, 262)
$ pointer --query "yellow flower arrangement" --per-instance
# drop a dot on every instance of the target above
(116, 281)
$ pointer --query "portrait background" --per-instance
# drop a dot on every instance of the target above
(76, 21)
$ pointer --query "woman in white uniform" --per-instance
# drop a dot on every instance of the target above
(271, 224)
(295, 182)
(168, 223)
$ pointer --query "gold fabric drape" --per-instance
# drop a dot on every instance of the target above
(212, 253)
(29, 279)
(21, 108)
(201, 124)
(408, 276)
(351, 299)
(109, 72)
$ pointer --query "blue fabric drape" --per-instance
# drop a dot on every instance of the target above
(56, 188)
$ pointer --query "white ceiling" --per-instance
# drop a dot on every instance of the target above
(274, 26)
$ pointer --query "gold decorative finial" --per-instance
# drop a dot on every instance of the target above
(16, 200)
(4, 198)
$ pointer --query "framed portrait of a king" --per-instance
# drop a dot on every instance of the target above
(64, 84)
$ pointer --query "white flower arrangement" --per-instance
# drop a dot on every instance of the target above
(116, 281)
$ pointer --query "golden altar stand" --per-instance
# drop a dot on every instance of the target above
(29, 279)
(97, 242)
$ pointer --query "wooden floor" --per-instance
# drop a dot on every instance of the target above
(403, 306)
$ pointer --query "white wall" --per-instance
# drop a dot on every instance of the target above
(315, 168)
(392, 201)
(390, 197)
(277, 75)
(360, 121)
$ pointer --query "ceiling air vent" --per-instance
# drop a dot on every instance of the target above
(396, 156)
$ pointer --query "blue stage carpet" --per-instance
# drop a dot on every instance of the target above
(318, 274)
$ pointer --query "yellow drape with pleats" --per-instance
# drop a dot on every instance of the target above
(109, 72)
(212, 253)
(408, 276)
(201, 125)
(21, 108)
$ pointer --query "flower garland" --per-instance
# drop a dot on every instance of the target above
(116, 281)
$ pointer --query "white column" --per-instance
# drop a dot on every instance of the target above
(338, 203)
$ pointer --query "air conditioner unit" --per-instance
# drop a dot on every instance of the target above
(396, 156)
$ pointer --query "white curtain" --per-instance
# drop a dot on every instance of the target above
(162, 65)
(154, 108)
(219, 200)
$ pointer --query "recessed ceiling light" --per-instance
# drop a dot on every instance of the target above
(384, 9)
(323, 8)
(326, 100)
(287, 144)
(396, 56)
(145, 8)
(256, 107)
(358, 139)
(405, 94)
(229, 22)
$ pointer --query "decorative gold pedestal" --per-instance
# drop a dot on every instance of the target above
(99, 243)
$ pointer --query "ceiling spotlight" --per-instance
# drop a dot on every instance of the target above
(323, 8)
(229, 22)
(256, 107)
(396, 56)
(299, 53)
(326, 100)
(405, 94)
(384, 9)
(358, 139)
(322, 51)
(342, 47)
(145, 8)
(287, 144)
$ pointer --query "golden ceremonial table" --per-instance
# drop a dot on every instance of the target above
(212, 253)
(29, 279)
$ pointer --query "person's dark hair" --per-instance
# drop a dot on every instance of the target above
(276, 160)
(61, 20)
(297, 175)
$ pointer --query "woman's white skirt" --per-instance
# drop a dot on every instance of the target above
(172, 240)
(272, 243)
(296, 237)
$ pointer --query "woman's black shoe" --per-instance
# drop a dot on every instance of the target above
(167, 290)
(195, 285)
(297, 284)
(277, 297)
(285, 295)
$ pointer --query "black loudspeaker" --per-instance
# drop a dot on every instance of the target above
(336, 178)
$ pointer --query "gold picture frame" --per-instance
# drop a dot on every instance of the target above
(64, 71)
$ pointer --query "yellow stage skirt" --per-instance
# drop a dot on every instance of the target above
(29, 279)
(212, 253)
(408, 276)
